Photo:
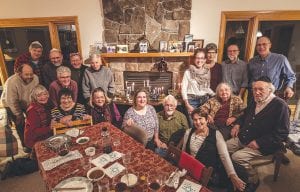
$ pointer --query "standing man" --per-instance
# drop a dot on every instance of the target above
(215, 68)
(235, 71)
(16, 97)
(77, 70)
(49, 69)
(33, 58)
(275, 66)
(261, 130)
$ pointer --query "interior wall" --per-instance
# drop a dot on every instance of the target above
(89, 15)
(206, 15)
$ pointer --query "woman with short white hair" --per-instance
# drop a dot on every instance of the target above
(37, 126)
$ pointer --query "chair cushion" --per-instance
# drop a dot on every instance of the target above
(8, 142)
(192, 165)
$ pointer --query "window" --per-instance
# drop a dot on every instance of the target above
(53, 32)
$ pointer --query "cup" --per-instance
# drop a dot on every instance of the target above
(116, 141)
(120, 187)
(90, 151)
(103, 185)
(154, 183)
(63, 149)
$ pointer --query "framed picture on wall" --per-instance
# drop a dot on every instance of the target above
(111, 48)
(163, 46)
(198, 43)
(122, 48)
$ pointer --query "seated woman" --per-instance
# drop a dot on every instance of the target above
(37, 125)
(67, 110)
(208, 146)
(143, 115)
(103, 109)
(223, 109)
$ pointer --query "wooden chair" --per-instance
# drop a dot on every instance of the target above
(60, 128)
(137, 133)
(174, 154)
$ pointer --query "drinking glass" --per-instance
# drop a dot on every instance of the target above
(63, 150)
(154, 183)
(116, 141)
(103, 185)
(126, 158)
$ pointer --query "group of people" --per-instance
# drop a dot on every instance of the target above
(217, 128)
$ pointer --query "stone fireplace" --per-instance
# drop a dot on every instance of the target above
(126, 21)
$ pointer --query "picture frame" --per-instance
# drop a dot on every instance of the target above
(163, 46)
(111, 48)
(122, 48)
(191, 47)
(175, 46)
(143, 47)
(188, 38)
(198, 43)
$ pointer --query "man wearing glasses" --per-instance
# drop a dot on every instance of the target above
(275, 66)
(234, 71)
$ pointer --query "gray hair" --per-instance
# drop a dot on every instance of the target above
(55, 50)
(35, 44)
(221, 85)
(36, 91)
(62, 69)
(98, 56)
(270, 86)
(170, 98)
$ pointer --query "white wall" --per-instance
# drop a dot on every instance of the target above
(205, 22)
(206, 15)
(88, 12)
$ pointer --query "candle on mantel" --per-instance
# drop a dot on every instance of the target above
(174, 86)
(144, 83)
(126, 83)
(132, 86)
(147, 83)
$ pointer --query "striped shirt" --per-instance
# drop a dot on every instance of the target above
(77, 112)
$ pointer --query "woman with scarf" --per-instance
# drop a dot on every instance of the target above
(196, 83)
(102, 109)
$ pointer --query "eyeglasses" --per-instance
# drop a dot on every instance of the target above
(211, 52)
(232, 51)
(262, 44)
(75, 54)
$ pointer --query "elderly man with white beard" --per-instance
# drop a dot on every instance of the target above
(172, 124)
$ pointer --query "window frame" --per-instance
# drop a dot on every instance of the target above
(50, 22)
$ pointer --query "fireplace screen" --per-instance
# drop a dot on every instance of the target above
(155, 80)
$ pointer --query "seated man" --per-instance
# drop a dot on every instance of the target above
(172, 124)
(261, 130)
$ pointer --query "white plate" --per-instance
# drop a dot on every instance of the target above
(80, 139)
(76, 182)
(132, 179)
(74, 132)
(56, 141)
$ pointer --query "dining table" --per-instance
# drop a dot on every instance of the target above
(144, 162)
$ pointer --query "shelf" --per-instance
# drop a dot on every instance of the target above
(149, 55)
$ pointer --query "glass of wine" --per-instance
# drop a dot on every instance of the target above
(154, 183)
(63, 150)
(126, 158)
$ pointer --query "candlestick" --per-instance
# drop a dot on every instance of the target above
(132, 86)
(174, 86)
(144, 83)
(126, 84)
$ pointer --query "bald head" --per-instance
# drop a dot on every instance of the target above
(26, 73)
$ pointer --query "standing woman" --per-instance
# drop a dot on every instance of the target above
(103, 109)
(196, 83)
(37, 126)
(143, 115)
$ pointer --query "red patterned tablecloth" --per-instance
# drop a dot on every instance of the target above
(144, 161)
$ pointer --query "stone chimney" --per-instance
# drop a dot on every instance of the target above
(125, 21)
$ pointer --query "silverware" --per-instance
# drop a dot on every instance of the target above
(68, 188)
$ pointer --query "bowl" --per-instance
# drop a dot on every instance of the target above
(95, 174)
(90, 151)
(130, 180)
(82, 140)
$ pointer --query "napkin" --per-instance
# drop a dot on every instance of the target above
(104, 159)
(189, 186)
(56, 161)
(192, 165)
(173, 180)
(114, 169)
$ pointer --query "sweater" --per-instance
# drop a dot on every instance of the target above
(55, 87)
(16, 93)
(269, 128)
(98, 78)
(37, 126)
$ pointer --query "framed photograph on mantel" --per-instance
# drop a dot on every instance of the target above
(198, 43)
(122, 48)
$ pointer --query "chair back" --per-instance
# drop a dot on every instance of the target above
(137, 133)
(185, 161)
(60, 128)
